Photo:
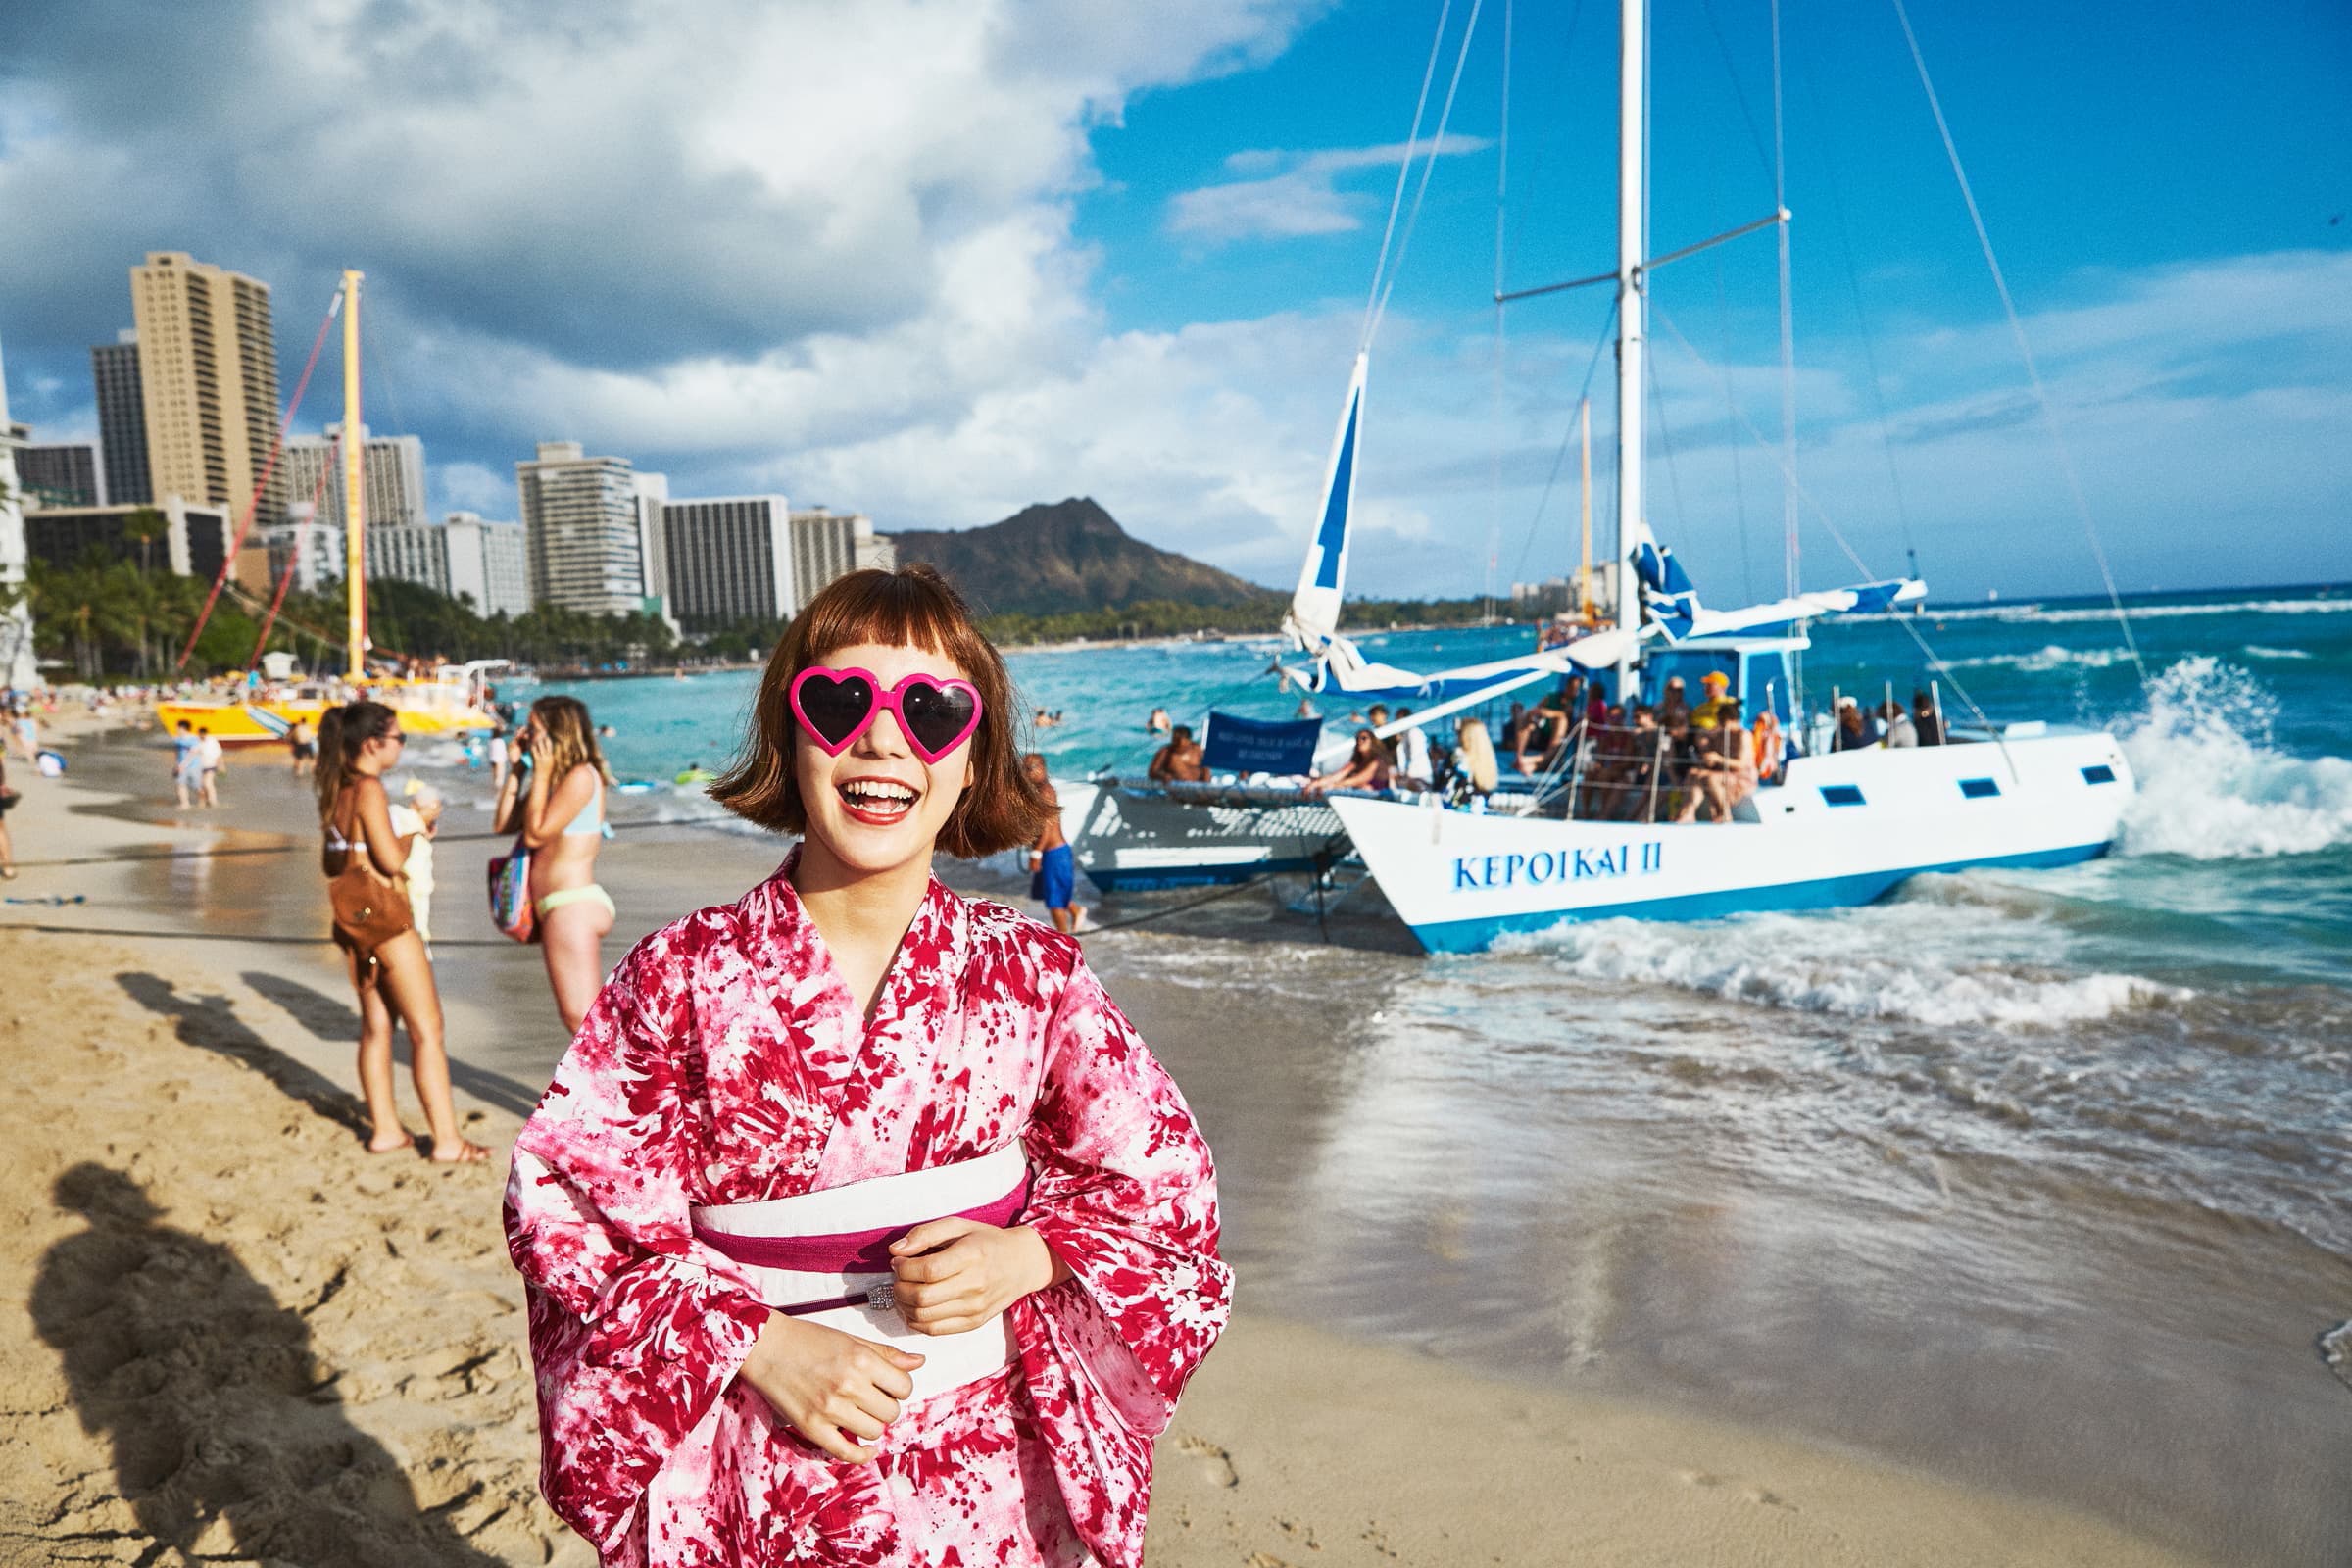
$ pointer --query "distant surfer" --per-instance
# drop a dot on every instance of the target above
(1052, 866)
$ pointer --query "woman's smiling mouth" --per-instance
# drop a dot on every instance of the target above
(878, 801)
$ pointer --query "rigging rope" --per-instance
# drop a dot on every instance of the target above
(1404, 169)
(1429, 166)
(228, 562)
(1561, 456)
(293, 558)
(2025, 350)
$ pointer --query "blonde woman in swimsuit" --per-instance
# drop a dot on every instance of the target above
(554, 798)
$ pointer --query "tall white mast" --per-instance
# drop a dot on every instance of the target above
(1632, 323)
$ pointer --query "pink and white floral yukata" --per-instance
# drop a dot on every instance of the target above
(726, 1063)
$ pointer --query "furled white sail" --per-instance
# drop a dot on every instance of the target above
(1314, 614)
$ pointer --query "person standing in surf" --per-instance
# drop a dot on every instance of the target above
(555, 799)
(858, 1225)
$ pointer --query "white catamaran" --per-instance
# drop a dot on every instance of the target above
(1836, 827)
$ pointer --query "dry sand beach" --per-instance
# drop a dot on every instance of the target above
(232, 1336)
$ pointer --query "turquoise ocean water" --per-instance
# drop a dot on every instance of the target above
(2074, 1144)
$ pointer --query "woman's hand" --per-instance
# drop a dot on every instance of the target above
(953, 1275)
(827, 1384)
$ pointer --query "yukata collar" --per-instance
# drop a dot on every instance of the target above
(935, 945)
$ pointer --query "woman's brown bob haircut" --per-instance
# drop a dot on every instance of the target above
(912, 606)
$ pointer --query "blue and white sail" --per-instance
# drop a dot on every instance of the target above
(1669, 599)
(1312, 622)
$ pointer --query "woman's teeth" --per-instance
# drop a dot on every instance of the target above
(878, 797)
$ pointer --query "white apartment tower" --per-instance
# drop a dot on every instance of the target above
(580, 524)
(391, 477)
(730, 560)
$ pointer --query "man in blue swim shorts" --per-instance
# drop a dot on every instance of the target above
(1052, 867)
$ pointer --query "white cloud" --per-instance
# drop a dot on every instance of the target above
(1303, 198)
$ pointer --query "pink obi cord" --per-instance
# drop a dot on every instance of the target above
(848, 1251)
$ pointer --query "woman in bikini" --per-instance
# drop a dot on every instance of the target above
(394, 977)
(858, 1226)
(554, 798)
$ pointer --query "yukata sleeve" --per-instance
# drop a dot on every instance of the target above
(1125, 1194)
(636, 1328)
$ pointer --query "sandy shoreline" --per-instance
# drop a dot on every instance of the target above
(238, 1339)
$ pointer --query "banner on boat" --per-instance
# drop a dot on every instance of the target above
(1260, 745)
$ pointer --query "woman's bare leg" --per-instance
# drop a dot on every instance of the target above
(384, 1131)
(407, 984)
(571, 941)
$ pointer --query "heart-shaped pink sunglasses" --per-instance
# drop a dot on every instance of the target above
(837, 706)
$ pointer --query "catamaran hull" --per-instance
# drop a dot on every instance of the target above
(1137, 840)
(1843, 830)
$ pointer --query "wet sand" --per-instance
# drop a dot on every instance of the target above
(203, 1069)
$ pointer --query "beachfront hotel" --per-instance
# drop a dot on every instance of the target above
(391, 477)
(462, 557)
(208, 379)
(730, 560)
(121, 418)
(581, 529)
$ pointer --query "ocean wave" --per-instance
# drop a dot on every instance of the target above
(2076, 615)
(2257, 651)
(1924, 964)
(2041, 659)
(2213, 787)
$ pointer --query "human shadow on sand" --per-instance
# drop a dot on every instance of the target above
(336, 1020)
(229, 1439)
(211, 1023)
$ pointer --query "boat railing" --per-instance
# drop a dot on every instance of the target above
(1619, 772)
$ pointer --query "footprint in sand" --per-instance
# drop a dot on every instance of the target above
(1214, 1462)
(1749, 1491)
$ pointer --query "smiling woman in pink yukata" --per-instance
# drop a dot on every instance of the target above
(858, 1225)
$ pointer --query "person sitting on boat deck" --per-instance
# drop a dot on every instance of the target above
(1856, 731)
(1896, 728)
(1366, 768)
(1410, 750)
(1546, 730)
(1647, 747)
(1179, 761)
(1926, 722)
(1157, 724)
(1473, 773)
(1772, 749)
(1710, 710)
(1724, 773)
(1673, 709)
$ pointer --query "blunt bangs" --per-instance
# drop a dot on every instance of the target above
(912, 606)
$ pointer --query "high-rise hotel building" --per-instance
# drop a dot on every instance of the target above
(391, 477)
(121, 420)
(208, 376)
(730, 560)
(580, 518)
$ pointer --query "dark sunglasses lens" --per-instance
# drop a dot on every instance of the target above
(937, 714)
(834, 709)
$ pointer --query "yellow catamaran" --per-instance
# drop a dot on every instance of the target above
(449, 701)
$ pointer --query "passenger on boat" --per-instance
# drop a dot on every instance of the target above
(1724, 773)
(1673, 709)
(1898, 730)
(1179, 761)
(1539, 740)
(1926, 721)
(1854, 731)
(1710, 711)
(1474, 774)
(1410, 750)
(1366, 768)
(1770, 747)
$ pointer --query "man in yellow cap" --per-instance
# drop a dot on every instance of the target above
(1707, 713)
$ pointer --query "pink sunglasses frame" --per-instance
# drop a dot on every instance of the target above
(889, 699)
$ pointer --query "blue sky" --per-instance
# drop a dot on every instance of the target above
(937, 260)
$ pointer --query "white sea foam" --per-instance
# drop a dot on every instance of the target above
(2257, 651)
(2336, 1347)
(1929, 962)
(2073, 614)
(2212, 786)
(2041, 659)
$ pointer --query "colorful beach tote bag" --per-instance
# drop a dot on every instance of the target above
(511, 894)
